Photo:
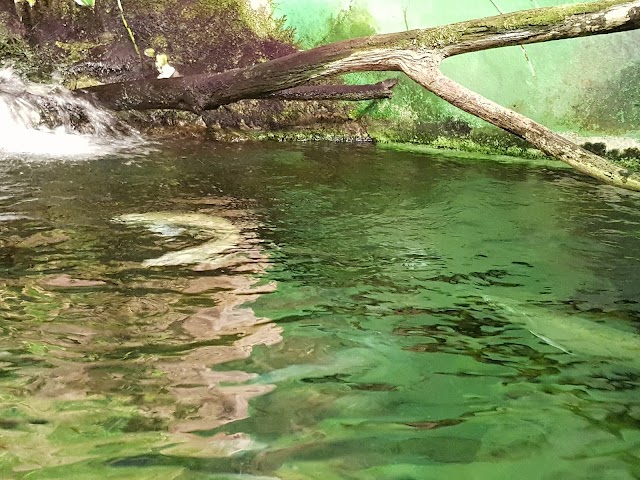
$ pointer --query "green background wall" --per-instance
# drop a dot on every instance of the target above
(589, 85)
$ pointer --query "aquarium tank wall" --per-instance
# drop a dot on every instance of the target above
(590, 86)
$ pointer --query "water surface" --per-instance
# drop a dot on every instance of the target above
(385, 315)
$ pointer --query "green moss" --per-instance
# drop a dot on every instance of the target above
(628, 158)
(76, 51)
(441, 36)
(12, 49)
(475, 153)
(21, 57)
(629, 163)
(258, 21)
(82, 81)
(549, 15)
(307, 136)
(495, 144)
(450, 34)
(159, 42)
(452, 133)
(156, 6)
(485, 148)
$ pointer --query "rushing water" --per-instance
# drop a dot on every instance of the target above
(41, 121)
(374, 314)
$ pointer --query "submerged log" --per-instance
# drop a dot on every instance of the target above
(418, 53)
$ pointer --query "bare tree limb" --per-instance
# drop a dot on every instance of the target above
(374, 91)
(429, 76)
(419, 54)
(203, 92)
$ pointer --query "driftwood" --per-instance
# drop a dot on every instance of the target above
(378, 90)
(417, 53)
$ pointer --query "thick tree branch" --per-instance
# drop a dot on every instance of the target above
(378, 90)
(418, 53)
(204, 92)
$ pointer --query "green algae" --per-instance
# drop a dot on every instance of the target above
(77, 51)
(471, 151)
(17, 54)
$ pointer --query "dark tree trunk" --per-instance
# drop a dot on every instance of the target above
(353, 93)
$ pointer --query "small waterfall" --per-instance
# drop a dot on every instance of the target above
(47, 121)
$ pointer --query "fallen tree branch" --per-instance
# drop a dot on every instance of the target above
(374, 91)
(429, 76)
(207, 91)
(419, 54)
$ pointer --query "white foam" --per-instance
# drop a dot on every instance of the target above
(39, 121)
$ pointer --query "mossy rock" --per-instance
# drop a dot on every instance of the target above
(197, 36)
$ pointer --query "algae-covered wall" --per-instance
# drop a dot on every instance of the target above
(589, 85)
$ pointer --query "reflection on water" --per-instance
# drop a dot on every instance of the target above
(383, 315)
(138, 350)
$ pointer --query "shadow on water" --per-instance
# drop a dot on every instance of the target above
(381, 315)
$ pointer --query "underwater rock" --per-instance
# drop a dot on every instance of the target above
(220, 235)
(42, 239)
(571, 334)
(68, 281)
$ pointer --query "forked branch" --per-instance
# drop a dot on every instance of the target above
(418, 53)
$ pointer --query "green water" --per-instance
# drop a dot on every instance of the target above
(385, 315)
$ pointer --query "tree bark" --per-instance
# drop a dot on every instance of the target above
(544, 139)
(418, 53)
(378, 90)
